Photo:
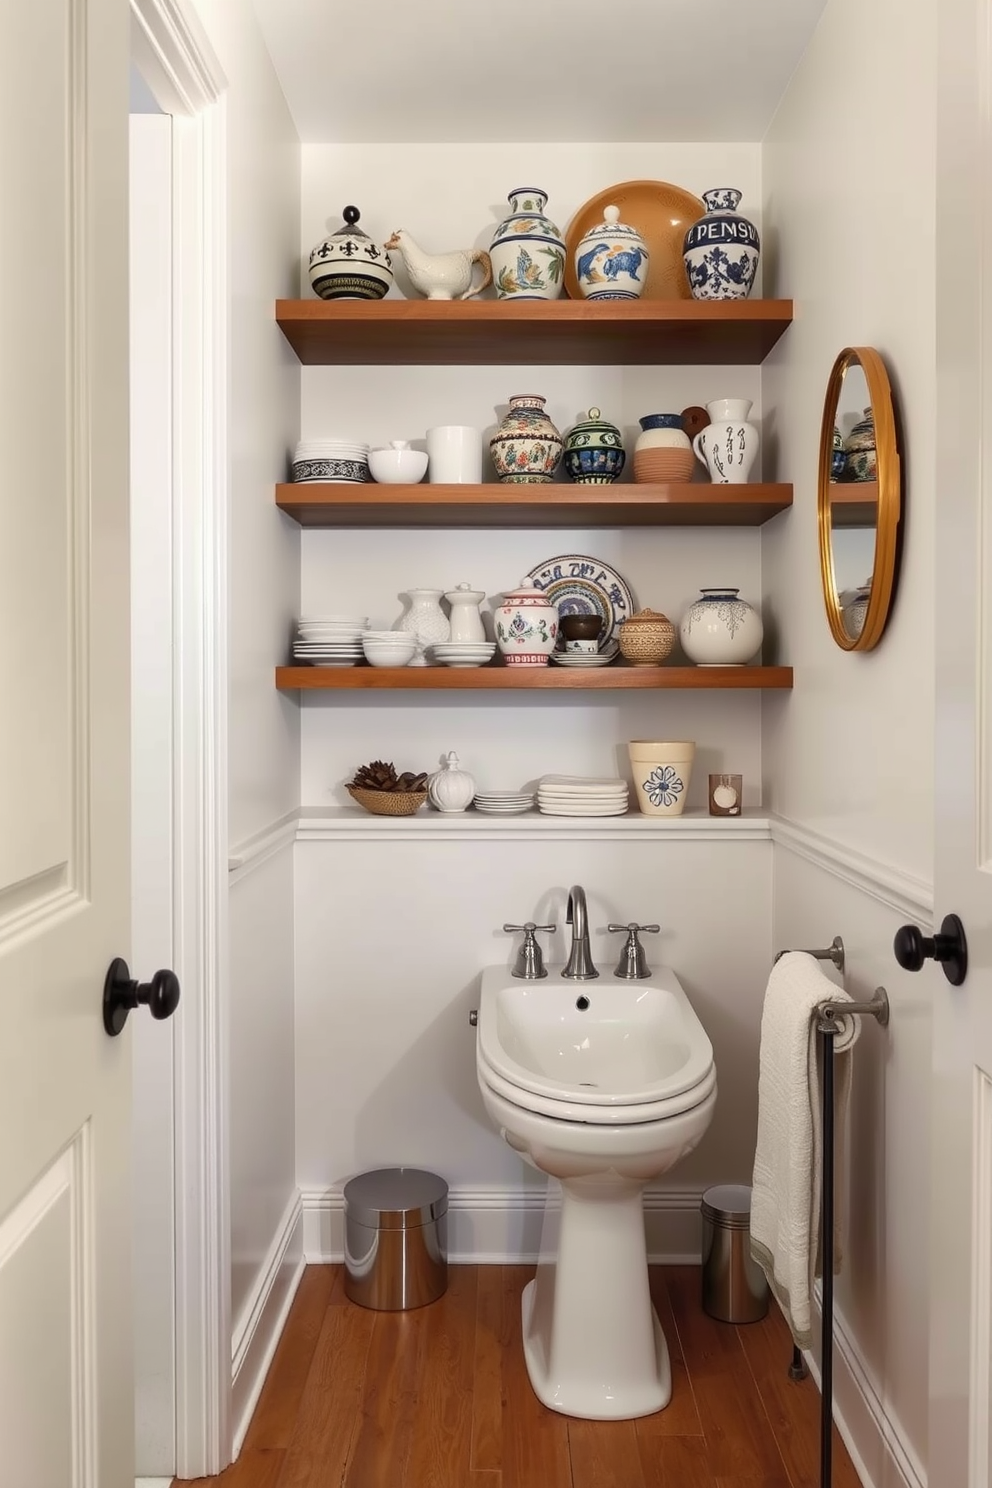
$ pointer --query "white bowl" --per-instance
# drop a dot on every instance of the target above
(385, 653)
(398, 465)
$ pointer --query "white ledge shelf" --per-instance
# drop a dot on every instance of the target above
(344, 824)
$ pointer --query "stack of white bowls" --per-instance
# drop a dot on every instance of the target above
(462, 653)
(582, 795)
(330, 640)
(503, 802)
(389, 648)
(339, 460)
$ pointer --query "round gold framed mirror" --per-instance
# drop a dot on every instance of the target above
(859, 499)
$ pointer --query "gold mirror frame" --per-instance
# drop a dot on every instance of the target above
(889, 483)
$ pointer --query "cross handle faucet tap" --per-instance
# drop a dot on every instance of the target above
(633, 965)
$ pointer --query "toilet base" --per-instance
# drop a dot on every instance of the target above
(592, 1343)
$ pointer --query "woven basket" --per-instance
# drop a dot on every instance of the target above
(387, 803)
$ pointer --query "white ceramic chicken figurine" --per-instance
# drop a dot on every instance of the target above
(442, 276)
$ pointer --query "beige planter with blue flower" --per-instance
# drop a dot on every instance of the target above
(661, 771)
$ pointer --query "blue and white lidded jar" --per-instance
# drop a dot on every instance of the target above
(721, 629)
(527, 251)
(611, 261)
(721, 250)
(594, 453)
(348, 265)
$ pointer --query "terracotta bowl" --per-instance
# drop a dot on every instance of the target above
(664, 465)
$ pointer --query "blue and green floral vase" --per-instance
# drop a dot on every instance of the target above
(721, 250)
(527, 250)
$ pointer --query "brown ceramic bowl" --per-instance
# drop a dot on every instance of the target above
(581, 627)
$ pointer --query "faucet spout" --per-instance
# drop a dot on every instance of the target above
(579, 967)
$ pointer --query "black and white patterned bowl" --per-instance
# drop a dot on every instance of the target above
(353, 471)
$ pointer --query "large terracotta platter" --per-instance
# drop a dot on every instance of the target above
(661, 213)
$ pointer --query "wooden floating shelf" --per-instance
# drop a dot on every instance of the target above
(555, 333)
(854, 503)
(678, 505)
(528, 679)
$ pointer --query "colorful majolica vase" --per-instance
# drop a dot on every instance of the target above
(527, 251)
(348, 265)
(526, 447)
(594, 454)
(611, 261)
(526, 626)
(721, 250)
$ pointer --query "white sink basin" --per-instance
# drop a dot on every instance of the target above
(600, 1042)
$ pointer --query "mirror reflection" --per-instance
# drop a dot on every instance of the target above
(859, 499)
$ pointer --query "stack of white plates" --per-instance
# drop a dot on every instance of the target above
(339, 460)
(331, 641)
(503, 802)
(582, 795)
(586, 658)
(463, 653)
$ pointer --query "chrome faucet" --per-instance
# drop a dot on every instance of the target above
(579, 967)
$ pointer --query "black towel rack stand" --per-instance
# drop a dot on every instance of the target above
(828, 1016)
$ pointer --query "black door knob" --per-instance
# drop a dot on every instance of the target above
(949, 948)
(121, 994)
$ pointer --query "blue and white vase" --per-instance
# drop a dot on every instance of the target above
(721, 629)
(527, 251)
(611, 261)
(721, 250)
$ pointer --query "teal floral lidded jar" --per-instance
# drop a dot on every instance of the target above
(594, 453)
(527, 251)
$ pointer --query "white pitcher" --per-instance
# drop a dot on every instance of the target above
(728, 445)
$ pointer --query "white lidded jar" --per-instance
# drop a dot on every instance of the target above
(721, 629)
(451, 789)
(526, 626)
(466, 621)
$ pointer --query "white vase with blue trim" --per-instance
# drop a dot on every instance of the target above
(721, 250)
(721, 629)
(527, 251)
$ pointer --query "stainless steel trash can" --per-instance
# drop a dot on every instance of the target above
(395, 1238)
(734, 1286)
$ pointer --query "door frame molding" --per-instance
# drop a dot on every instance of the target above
(179, 64)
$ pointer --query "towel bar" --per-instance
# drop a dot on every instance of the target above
(834, 952)
(828, 1015)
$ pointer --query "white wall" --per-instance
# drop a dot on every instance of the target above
(848, 172)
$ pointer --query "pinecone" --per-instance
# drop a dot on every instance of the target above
(381, 776)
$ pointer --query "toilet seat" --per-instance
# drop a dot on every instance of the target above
(582, 1107)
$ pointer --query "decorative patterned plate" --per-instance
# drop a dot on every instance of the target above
(662, 214)
(580, 585)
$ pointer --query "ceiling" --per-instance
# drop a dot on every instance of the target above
(448, 71)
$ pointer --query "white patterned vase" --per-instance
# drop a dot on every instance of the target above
(721, 250)
(611, 261)
(526, 447)
(527, 251)
(729, 444)
(526, 625)
(425, 621)
(721, 629)
(348, 265)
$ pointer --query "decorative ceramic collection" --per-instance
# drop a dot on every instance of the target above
(660, 213)
(594, 453)
(611, 260)
(663, 450)
(526, 625)
(721, 250)
(442, 276)
(425, 621)
(860, 456)
(721, 629)
(662, 772)
(347, 265)
(728, 445)
(526, 447)
(579, 585)
(451, 789)
(527, 250)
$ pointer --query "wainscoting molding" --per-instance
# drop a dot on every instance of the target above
(502, 1226)
(261, 846)
(910, 897)
(880, 1450)
(259, 1328)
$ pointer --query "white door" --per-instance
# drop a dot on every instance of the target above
(961, 1156)
(66, 1389)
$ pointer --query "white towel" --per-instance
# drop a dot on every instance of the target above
(785, 1199)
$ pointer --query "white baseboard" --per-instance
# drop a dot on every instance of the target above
(882, 1455)
(502, 1226)
(259, 1328)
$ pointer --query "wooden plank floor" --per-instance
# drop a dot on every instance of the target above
(439, 1398)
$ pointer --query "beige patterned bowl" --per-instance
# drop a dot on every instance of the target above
(387, 803)
(663, 465)
(647, 638)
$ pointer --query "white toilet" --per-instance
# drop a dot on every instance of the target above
(603, 1085)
